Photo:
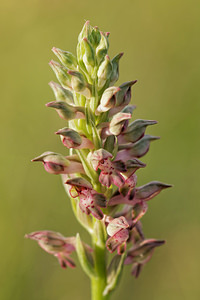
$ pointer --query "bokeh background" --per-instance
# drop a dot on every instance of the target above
(161, 44)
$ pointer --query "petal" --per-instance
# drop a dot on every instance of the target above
(65, 261)
(116, 225)
(117, 239)
(99, 200)
(84, 209)
(117, 179)
(105, 179)
(139, 210)
(96, 212)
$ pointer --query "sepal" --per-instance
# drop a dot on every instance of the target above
(61, 74)
(104, 72)
(55, 163)
(67, 58)
(150, 190)
(67, 111)
(72, 139)
(115, 68)
(135, 131)
(79, 84)
(61, 93)
(102, 48)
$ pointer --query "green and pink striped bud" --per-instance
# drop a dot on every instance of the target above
(56, 163)
(72, 139)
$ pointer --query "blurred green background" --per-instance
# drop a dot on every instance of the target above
(161, 44)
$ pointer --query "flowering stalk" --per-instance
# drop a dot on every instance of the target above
(98, 168)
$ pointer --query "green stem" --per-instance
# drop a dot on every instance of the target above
(98, 283)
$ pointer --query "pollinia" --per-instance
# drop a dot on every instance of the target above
(102, 150)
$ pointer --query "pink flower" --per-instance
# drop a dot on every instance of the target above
(141, 253)
(119, 234)
(90, 200)
(56, 244)
(136, 195)
(110, 170)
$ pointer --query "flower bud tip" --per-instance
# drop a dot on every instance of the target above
(54, 49)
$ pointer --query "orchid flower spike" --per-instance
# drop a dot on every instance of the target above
(103, 143)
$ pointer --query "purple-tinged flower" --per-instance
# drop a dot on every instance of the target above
(123, 97)
(135, 150)
(128, 189)
(150, 190)
(110, 170)
(72, 139)
(132, 165)
(56, 163)
(141, 253)
(90, 200)
(133, 213)
(119, 234)
(56, 244)
(136, 195)
(115, 68)
(134, 131)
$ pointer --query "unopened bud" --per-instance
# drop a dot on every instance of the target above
(72, 139)
(115, 68)
(61, 73)
(61, 93)
(136, 130)
(85, 32)
(104, 72)
(54, 163)
(79, 84)
(95, 36)
(102, 48)
(141, 147)
(66, 58)
(67, 111)
(123, 97)
(150, 190)
(89, 55)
